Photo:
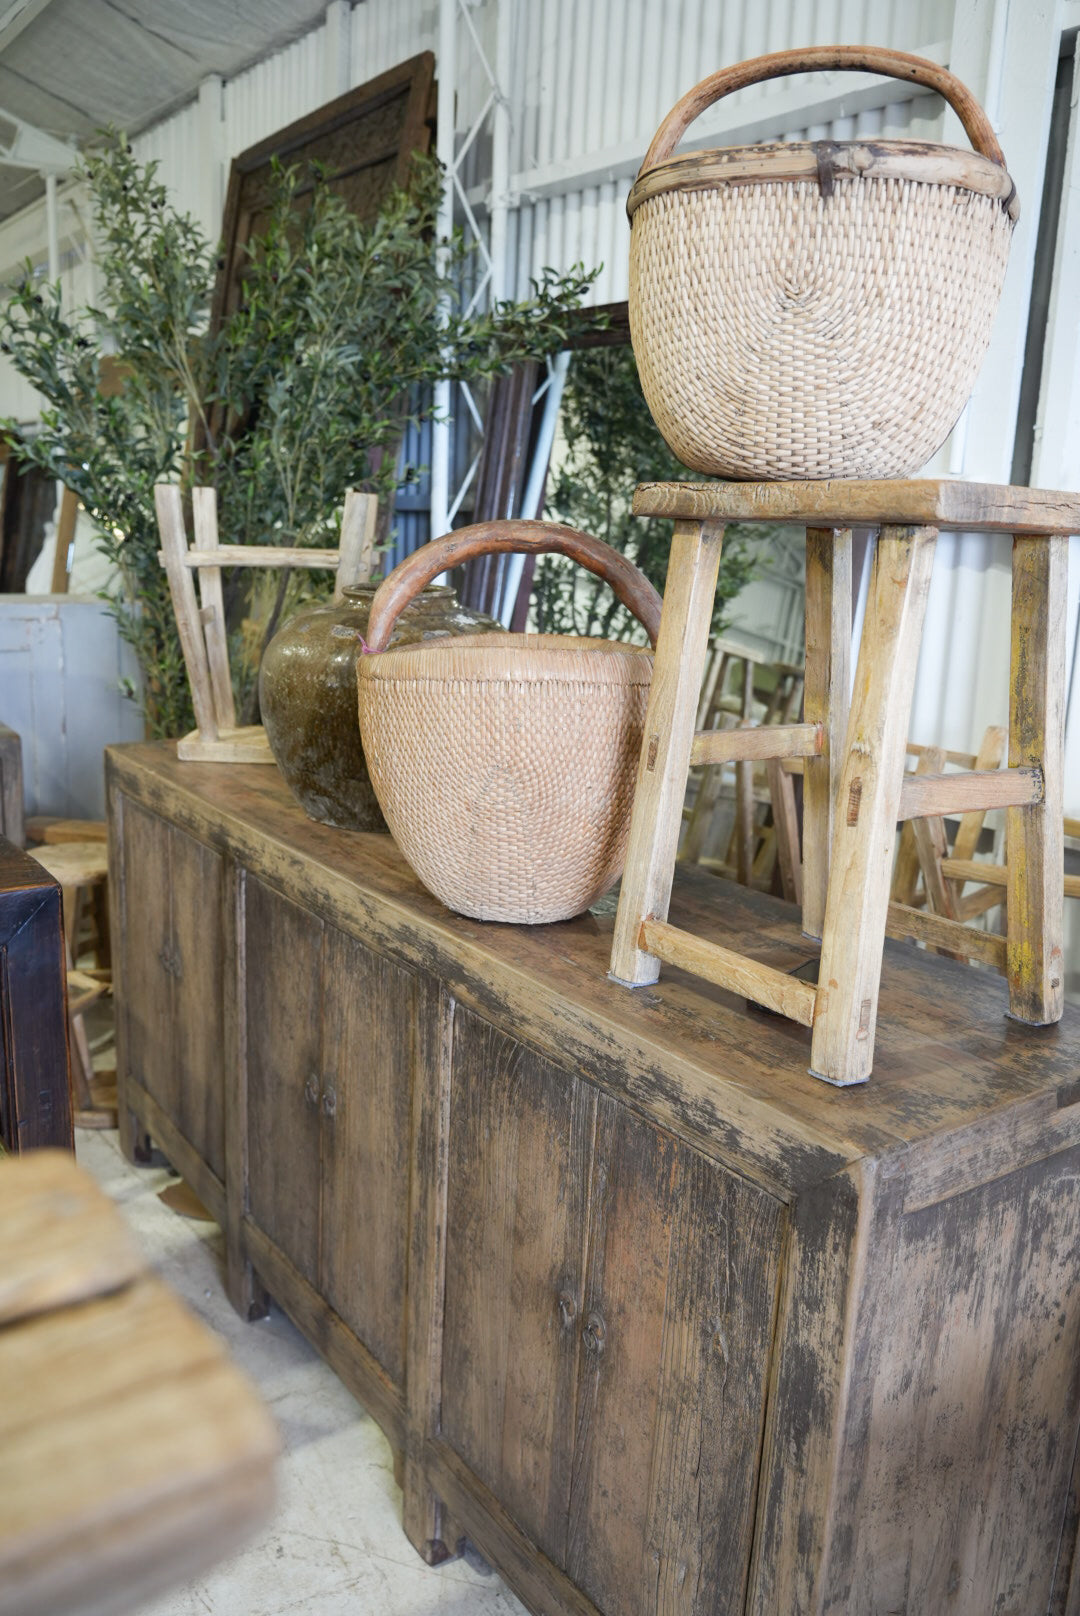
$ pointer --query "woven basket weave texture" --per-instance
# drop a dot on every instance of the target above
(781, 334)
(505, 766)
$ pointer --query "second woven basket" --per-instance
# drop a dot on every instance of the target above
(505, 763)
(818, 309)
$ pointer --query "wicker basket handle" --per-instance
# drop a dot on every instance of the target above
(488, 538)
(819, 58)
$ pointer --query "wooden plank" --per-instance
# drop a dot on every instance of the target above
(251, 555)
(786, 823)
(996, 874)
(764, 984)
(826, 698)
(992, 750)
(212, 600)
(89, 1505)
(665, 1449)
(285, 1075)
(245, 1290)
(521, 1133)
(761, 742)
(843, 503)
(808, 1388)
(968, 1381)
(867, 802)
(197, 970)
(952, 935)
(424, 1516)
(665, 748)
(145, 963)
(905, 879)
(546, 1590)
(356, 549)
(922, 795)
(65, 535)
(369, 1017)
(333, 1340)
(12, 821)
(1034, 835)
(245, 745)
(160, 1125)
(63, 1241)
(174, 557)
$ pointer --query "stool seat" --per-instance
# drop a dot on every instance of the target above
(853, 748)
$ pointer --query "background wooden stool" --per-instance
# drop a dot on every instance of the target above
(855, 787)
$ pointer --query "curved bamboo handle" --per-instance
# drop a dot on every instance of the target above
(488, 538)
(816, 59)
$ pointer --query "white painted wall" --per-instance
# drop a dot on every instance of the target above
(61, 663)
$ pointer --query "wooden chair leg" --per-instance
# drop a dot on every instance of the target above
(786, 822)
(665, 752)
(853, 940)
(826, 688)
(705, 805)
(744, 813)
(1035, 835)
(906, 873)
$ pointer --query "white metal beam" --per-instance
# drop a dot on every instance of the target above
(17, 15)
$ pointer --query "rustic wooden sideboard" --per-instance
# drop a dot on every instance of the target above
(659, 1321)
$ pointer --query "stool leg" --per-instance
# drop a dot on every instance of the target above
(826, 696)
(1035, 835)
(868, 800)
(681, 649)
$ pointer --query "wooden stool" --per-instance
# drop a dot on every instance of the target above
(82, 869)
(855, 789)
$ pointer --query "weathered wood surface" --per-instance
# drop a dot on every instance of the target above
(826, 700)
(12, 823)
(1035, 835)
(669, 738)
(35, 1093)
(868, 778)
(923, 795)
(844, 503)
(134, 1453)
(634, 1257)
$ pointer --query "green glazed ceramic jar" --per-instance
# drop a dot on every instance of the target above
(307, 694)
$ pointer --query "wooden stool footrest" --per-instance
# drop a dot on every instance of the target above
(764, 743)
(905, 923)
(923, 795)
(763, 984)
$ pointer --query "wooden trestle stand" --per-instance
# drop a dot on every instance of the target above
(855, 787)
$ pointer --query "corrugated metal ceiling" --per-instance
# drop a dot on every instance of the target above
(71, 66)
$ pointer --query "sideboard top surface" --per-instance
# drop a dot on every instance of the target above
(955, 1083)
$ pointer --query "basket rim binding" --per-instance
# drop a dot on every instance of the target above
(511, 659)
(823, 163)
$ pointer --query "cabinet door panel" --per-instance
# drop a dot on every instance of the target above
(679, 1313)
(369, 1031)
(198, 971)
(283, 992)
(146, 939)
(520, 1136)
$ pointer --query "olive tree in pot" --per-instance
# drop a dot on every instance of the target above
(305, 390)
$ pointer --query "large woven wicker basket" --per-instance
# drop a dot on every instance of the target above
(816, 309)
(505, 763)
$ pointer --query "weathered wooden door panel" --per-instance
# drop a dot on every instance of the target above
(148, 965)
(369, 1039)
(679, 1313)
(972, 1391)
(196, 879)
(520, 1142)
(283, 1016)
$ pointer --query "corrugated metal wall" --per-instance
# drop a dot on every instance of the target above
(593, 78)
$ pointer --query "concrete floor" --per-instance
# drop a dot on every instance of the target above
(336, 1547)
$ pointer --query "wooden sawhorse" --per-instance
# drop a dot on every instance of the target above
(855, 789)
